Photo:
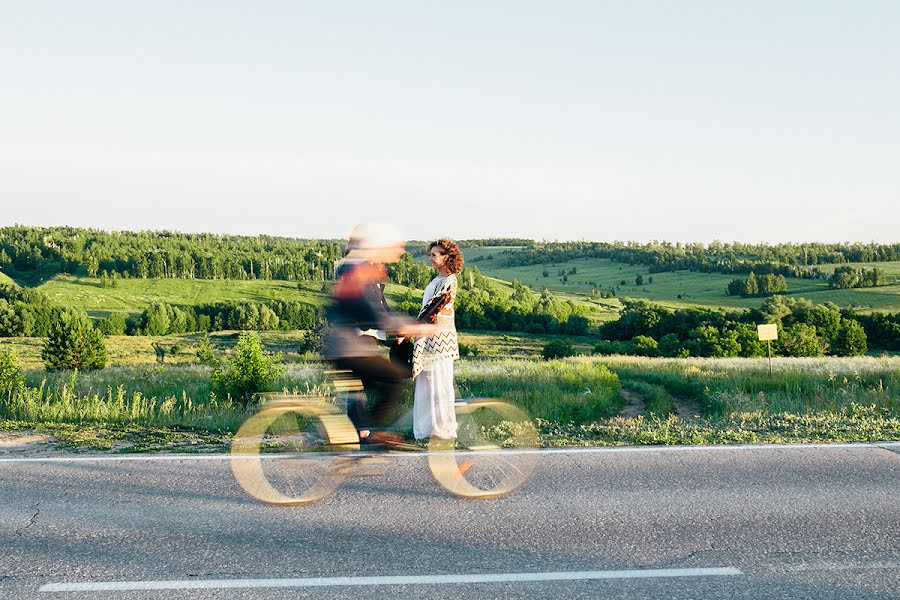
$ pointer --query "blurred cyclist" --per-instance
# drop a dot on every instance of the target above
(358, 317)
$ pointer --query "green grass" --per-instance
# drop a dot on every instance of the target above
(125, 350)
(854, 424)
(134, 295)
(657, 400)
(575, 401)
(726, 387)
(891, 268)
(499, 345)
(695, 289)
(558, 391)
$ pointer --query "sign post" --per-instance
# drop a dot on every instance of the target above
(767, 333)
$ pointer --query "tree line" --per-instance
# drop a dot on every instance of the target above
(163, 254)
(789, 260)
(750, 286)
(850, 277)
(804, 329)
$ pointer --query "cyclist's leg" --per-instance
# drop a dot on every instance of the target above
(382, 378)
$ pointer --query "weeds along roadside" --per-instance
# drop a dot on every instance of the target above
(575, 401)
(798, 386)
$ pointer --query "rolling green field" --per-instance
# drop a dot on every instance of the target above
(134, 295)
(694, 289)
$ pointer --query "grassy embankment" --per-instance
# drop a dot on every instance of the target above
(575, 402)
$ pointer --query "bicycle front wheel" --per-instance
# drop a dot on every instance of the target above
(494, 452)
(289, 453)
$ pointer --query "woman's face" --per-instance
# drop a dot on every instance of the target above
(437, 257)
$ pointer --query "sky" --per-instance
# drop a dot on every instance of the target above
(679, 120)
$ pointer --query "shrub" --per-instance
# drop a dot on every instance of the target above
(613, 347)
(799, 339)
(850, 339)
(114, 324)
(469, 350)
(205, 353)
(74, 343)
(10, 369)
(558, 349)
(314, 339)
(644, 345)
(669, 345)
(249, 371)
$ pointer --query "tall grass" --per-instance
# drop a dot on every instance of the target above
(574, 390)
(162, 396)
(739, 398)
(798, 386)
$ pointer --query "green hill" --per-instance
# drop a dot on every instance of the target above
(133, 295)
(677, 288)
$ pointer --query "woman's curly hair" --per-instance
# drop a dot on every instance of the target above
(454, 254)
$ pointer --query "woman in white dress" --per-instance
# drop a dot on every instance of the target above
(433, 413)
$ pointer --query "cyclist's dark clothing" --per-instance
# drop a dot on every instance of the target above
(358, 305)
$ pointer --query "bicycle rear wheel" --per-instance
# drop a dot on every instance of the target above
(493, 453)
(289, 453)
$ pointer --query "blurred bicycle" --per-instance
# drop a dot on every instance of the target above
(299, 449)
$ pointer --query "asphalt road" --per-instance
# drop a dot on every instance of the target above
(799, 522)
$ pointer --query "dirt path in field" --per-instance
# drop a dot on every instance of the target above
(686, 408)
(25, 442)
(634, 404)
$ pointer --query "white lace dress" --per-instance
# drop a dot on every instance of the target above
(433, 413)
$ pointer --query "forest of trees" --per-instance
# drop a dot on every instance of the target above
(804, 329)
(163, 254)
(479, 306)
(789, 260)
(155, 254)
(751, 286)
(850, 277)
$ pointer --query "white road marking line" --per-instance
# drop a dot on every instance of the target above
(580, 450)
(189, 584)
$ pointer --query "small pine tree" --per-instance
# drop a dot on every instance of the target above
(249, 371)
(73, 343)
(205, 353)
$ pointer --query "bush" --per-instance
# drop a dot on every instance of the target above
(249, 371)
(205, 353)
(74, 343)
(314, 339)
(114, 324)
(469, 350)
(644, 345)
(613, 347)
(558, 349)
(10, 369)
(799, 340)
(850, 339)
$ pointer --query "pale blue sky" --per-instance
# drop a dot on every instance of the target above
(687, 121)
